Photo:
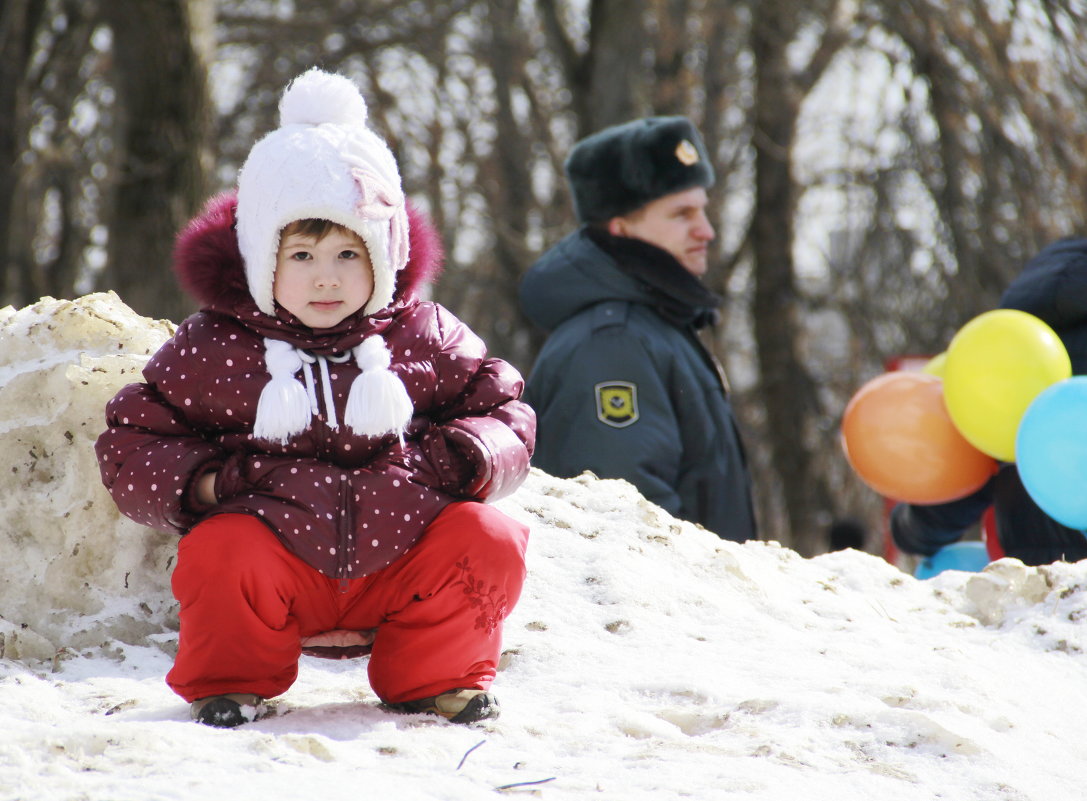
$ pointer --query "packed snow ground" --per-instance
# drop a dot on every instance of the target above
(646, 660)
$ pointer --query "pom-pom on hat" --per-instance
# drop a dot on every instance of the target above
(323, 162)
(619, 169)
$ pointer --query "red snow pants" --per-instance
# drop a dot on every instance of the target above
(247, 602)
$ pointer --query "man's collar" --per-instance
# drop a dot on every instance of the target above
(680, 296)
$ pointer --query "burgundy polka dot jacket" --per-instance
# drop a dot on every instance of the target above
(347, 504)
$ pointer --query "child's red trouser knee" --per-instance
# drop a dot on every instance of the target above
(444, 603)
(246, 602)
(234, 581)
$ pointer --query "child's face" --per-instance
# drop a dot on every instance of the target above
(322, 282)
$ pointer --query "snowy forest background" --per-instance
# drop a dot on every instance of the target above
(885, 166)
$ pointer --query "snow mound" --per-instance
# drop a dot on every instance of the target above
(73, 572)
(646, 660)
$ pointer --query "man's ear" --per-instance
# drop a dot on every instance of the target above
(617, 226)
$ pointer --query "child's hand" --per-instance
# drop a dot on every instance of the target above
(205, 489)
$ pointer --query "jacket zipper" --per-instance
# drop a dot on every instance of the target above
(711, 361)
(345, 527)
(345, 521)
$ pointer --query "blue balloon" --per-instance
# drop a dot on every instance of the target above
(1051, 451)
(969, 557)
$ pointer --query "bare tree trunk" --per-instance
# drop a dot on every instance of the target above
(165, 115)
(19, 20)
(720, 73)
(507, 183)
(671, 48)
(610, 86)
(786, 388)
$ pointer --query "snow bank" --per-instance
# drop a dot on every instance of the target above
(647, 659)
(73, 572)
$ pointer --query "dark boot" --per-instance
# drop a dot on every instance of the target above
(458, 706)
(227, 711)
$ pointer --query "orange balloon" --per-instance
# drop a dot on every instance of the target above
(899, 438)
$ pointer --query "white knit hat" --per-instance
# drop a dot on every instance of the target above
(321, 163)
(324, 163)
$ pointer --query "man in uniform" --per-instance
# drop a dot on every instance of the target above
(623, 386)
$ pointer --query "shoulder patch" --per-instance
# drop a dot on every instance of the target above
(616, 403)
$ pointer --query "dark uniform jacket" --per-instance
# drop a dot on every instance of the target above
(1052, 287)
(623, 386)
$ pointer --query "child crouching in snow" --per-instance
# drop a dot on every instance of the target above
(323, 439)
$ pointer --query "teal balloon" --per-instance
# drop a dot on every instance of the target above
(969, 557)
(1051, 451)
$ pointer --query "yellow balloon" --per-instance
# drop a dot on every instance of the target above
(996, 365)
(935, 366)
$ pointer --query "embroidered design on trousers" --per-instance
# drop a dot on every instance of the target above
(492, 607)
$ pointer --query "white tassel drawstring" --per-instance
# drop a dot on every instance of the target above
(307, 374)
(330, 402)
(308, 360)
(284, 407)
(378, 403)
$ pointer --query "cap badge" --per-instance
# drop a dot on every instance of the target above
(686, 153)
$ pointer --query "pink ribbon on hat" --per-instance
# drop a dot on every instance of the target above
(380, 202)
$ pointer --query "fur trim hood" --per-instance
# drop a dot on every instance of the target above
(209, 266)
